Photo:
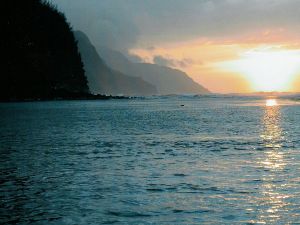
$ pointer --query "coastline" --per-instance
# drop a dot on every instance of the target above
(63, 98)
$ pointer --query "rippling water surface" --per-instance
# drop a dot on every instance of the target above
(171, 160)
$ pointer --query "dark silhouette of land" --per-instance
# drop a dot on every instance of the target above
(40, 59)
(166, 80)
(104, 80)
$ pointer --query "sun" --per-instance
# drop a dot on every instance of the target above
(271, 102)
(267, 69)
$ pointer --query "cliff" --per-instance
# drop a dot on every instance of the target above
(167, 80)
(104, 80)
(40, 55)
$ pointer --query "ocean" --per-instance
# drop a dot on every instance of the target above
(157, 160)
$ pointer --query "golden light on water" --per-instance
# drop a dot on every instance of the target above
(271, 102)
(272, 136)
(272, 161)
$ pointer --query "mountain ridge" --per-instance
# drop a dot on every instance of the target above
(104, 80)
(167, 80)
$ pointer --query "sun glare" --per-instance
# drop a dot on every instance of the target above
(271, 102)
(267, 70)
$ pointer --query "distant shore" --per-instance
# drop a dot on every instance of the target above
(62, 98)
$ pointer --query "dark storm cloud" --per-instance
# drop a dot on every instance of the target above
(121, 24)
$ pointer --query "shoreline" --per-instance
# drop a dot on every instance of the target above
(87, 97)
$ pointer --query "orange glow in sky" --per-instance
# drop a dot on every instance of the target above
(234, 66)
(267, 69)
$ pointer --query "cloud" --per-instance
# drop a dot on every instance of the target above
(150, 48)
(107, 23)
(134, 58)
(187, 20)
(123, 24)
(166, 61)
(159, 60)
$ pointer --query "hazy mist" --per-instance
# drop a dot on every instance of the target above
(122, 24)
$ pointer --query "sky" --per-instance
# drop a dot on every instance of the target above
(228, 46)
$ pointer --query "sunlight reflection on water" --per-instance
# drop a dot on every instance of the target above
(271, 102)
(273, 138)
(273, 200)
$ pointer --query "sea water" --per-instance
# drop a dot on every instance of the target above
(156, 160)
